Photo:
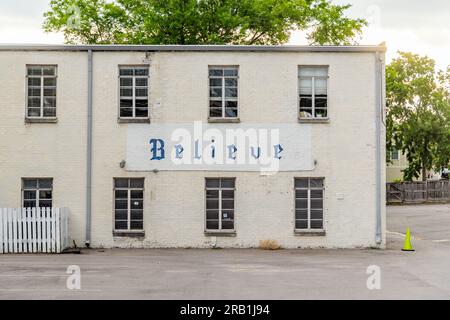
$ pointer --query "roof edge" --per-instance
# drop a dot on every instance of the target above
(244, 48)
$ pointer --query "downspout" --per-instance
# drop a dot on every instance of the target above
(379, 109)
(89, 153)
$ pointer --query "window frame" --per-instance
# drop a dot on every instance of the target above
(129, 189)
(223, 98)
(392, 154)
(133, 88)
(309, 229)
(41, 96)
(220, 229)
(313, 110)
(37, 190)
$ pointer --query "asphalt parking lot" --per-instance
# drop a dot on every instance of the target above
(249, 273)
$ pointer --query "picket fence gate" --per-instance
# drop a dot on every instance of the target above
(34, 230)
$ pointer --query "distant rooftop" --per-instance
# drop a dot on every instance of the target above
(259, 48)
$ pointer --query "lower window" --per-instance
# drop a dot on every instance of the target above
(309, 203)
(128, 204)
(37, 193)
(220, 204)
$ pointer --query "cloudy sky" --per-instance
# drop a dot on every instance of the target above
(409, 25)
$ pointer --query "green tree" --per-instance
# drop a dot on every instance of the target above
(418, 113)
(200, 21)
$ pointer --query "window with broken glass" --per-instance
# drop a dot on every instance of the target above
(313, 92)
(223, 92)
(220, 204)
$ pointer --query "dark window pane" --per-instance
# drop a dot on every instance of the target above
(227, 183)
(212, 204)
(121, 225)
(45, 194)
(137, 194)
(126, 71)
(316, 224)
(212, 224)
(121, 204)
(316, 183)
(321, 113)
(316, 194)
(126, 112)
(137, 183)
(303, 194)
(215, 112)
(231, 82)
(227, 215)
(231, 104)
(50, 82)
(45, 203)
(121, 194)
(212, 183)
(215, 82)
(121, 214)
(227, 194)
(231, 92)
(301, 224)
(136, 225)
(137, 204)
(29, 195)
(49, 112)
(141, 92)
(121, 183)
(34, 92)
(301, 214)
(227, 225)
(29, 204)
(49, 71)
(49, 92)
(212, 194)
(301, 204)
(316, 214)
(49, 102)
(34, 71)
(301, 183)
(45, 183)
(227, 204)
(215, 92)
(34, 102)
(137, 214)
(216, 72)
(215, 104)
(212, 214)
(34, 81)
(316, 204)
(230, 72)
(141, 82)
(141, 71)
(230, 112)
(126, 82)
(29, 183)
(34, 112)
(126, 92)
(126, 103)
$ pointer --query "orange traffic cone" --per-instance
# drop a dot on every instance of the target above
(407, 246)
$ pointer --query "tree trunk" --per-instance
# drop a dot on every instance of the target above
(424, 173)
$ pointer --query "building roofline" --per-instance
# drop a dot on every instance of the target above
(146, 48)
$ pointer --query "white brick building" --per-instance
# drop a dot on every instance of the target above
(73, 118)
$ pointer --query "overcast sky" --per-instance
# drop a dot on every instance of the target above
(409, 25)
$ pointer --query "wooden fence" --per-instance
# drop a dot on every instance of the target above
(418, 191)
(33, 230)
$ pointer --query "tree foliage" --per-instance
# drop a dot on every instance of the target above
(418, 113)
(200, 21)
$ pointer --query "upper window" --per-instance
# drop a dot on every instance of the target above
(313, 92)
(223, 92)
(133, 92)
(128, 204)
(37, 193)
(220, 204)
(41, 90)
(309, 203)
(394, 154)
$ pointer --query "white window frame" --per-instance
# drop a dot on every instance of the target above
(133, 88)
(41, 77)
(220, 189)
(37, 190)
(224, 99)
(392, 154)
(128, 189)
(309, 204)
(313, 93)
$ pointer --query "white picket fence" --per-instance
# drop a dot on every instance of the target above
(34, 230)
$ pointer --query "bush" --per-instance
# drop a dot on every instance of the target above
(269, 244)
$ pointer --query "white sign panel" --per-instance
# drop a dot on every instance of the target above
(219, 147)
